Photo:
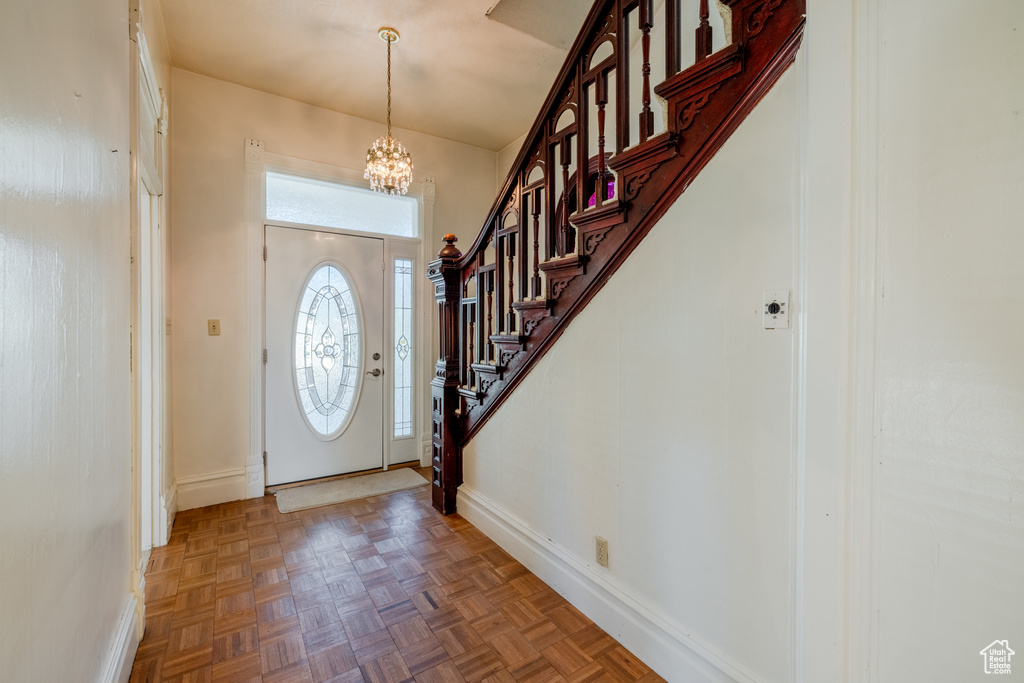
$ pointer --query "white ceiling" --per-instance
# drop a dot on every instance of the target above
(456, 73)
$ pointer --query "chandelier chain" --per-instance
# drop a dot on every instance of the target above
(389, 86)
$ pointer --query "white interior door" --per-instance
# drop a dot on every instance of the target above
(324, 339)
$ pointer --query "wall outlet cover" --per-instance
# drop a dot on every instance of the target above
(601, 551)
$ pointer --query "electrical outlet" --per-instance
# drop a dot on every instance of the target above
(213, 327)
(602, 551)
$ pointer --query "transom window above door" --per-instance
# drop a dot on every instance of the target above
(297, 199)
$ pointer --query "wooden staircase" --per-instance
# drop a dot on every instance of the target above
(557, 233)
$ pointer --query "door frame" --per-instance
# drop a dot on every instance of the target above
(257, 162)
(151, 506)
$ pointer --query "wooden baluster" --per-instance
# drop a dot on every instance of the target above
(467, 337)
(551, 198)
(601, 93)
(646, 24)
(482, 294)
(566, 159)
(535, 280)
(463, 344)
(511, 318)
(703, 33)
(622, 76)
(523, 238)
(489, 279)
(499, 279)
(471, 315)
(672, 42)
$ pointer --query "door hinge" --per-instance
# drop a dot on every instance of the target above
(264, 356)
(383, 266)
(264, 252)
(264, 458)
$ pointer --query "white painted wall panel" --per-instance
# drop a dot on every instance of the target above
(661, 420)
(951, 387)
(64, 325)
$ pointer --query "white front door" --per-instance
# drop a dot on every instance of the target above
(325, 340)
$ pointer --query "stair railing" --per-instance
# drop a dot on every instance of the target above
(602, 162)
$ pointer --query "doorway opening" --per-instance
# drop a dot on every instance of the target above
(342, 338)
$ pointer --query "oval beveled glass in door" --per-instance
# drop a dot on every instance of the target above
(327, 352)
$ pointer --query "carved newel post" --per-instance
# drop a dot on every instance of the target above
(446, 455)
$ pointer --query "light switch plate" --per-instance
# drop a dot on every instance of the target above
(213, 327)
(776, 309)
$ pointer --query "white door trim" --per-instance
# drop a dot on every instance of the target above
(257, 162)
(865, 282)
(147, 120)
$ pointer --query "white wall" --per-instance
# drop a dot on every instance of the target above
(506, 157)
(212, 119)
(661, 420)
(950, 388)
(64, 324)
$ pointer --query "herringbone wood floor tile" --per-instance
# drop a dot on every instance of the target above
(376, 590)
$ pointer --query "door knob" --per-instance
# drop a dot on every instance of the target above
(376, 372)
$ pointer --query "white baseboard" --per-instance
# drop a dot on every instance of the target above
(121, 656)
(669, 649)
(211, 489)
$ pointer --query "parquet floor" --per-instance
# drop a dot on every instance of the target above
(382, 589)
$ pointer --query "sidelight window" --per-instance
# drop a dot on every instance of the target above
(403, 347)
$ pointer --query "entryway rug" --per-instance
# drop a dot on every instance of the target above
(340, 490)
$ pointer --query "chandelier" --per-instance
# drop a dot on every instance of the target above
(388, 164)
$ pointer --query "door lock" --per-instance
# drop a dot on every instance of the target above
(376, 356)
(376, 372)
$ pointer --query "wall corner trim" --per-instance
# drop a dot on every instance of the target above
(255, 212)
(425, 451)
(125, 643)
(254, 477)
(170, 510)
(429, 191)
(668, 648)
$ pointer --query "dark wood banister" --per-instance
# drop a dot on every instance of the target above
(491, 338)
(565, 74)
